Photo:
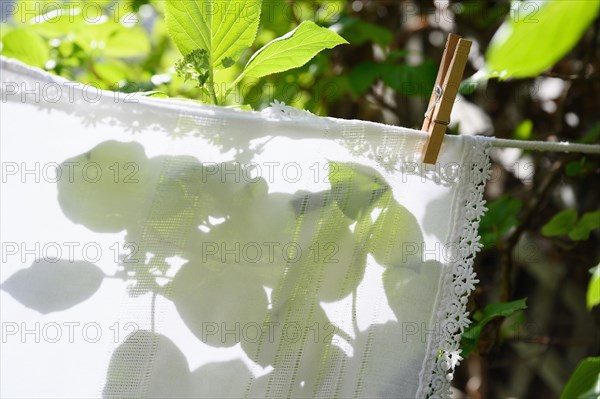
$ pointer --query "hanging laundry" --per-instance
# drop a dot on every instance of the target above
(162, 248)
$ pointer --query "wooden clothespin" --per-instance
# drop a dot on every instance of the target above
(442, 99)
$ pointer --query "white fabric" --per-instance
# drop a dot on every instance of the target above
(183, 250)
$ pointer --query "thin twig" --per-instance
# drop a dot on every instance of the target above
(491, 331)
(533, 209)
(571, 77)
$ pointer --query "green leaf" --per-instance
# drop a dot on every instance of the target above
(362, 76)
(467, 345)
(411, 80)
(224, 28)
(396, 55)
(25, 46)
(228, 62)
(491, 311)
(524, 130)
(575, 168)
(58, 23)
(588, 222)
(155, 94)
(243, 107)
(585, 381)
(561, 224)
(359, 32)
(502, 309)
(537, 36)
(127, 42)
(112, 71)
(499, 219)
(593, 291)
(292, 50)
(592, 136)
(477, 81)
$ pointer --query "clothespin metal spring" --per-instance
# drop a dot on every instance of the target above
(437, 116)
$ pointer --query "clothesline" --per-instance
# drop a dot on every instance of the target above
(546, 146)
(289, 111)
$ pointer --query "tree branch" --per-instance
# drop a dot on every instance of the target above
(533, 209)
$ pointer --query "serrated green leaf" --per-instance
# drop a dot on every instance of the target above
(582, 229)
(585, 381)
(291, 50)
(561, 224)
(593, 291)
(25, 46)
(224, 28)
(535, 37)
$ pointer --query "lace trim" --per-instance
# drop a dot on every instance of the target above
(278, 110)
(444, 351)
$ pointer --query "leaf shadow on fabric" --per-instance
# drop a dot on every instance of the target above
(170, 374)
(297, 251)
(259, 263)
(52, 286)
(295, 254)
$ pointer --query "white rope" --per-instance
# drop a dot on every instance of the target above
(546, 146)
